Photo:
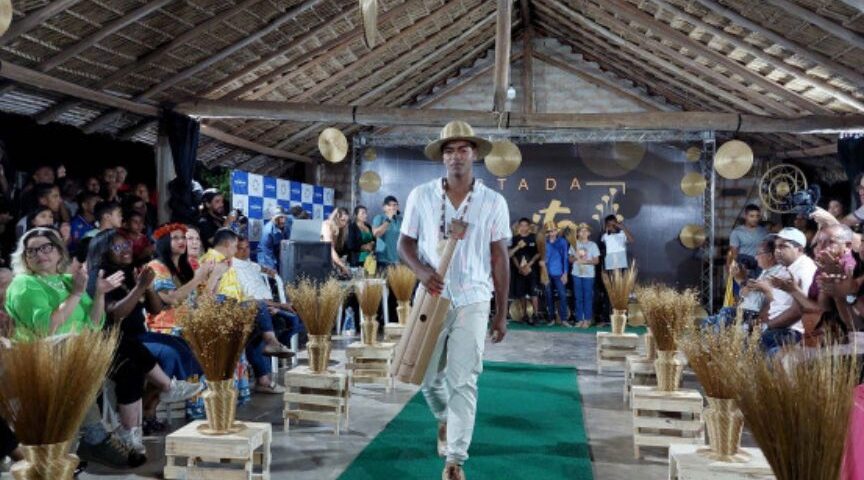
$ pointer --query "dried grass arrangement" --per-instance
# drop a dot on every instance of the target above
(667, 313)
(369, 294)
(619, 284)
(316, 305)
(217, 331)
(47, 386)
(402, 282)
(797, 406)
(709, 350)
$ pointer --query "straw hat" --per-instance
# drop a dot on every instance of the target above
(457, 130)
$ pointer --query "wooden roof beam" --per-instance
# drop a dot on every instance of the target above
(855, 77)
(856, 4)
(667, 31)
(809, 16)
(527, 58)
(802, 76)
(20, 26)
(503, 38)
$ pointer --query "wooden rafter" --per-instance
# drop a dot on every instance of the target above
(20, 26)
(527, 58)
(788, 69)
(802, 51)
(503, 38)
(856, 4)
(837, 30)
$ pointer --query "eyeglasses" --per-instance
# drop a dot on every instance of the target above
(121, 247)
(44, 249)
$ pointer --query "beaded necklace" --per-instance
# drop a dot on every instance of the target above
(442, 231)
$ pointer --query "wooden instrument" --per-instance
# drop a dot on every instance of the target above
(424, 326)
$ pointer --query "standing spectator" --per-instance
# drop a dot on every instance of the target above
(212, 216)
(121, 175)
(334, 230)
(523, 256)
(134, 231)
(585, 256)
(745, 238)
(360, 242)
(385, 227)
(110, 187)
(615, 238)
(857, 216)
(85, 220)
(69, 190)
(278, 228)
(142, 191)
(836, 208)
(134, 204)
(556, 266)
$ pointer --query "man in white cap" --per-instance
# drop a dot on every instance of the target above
(274, 231)
(478, 268)
(784, 326)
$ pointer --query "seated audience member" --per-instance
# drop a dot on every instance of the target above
(133, 229)
(285, 321)
(193, 245)
(44, 300)
(120, 176)
(5, 321)
(523, 258)
(85, 219)
(585, 258)
(836, 208)
(69, 190)
(108, 216)
(278, 228)
(228, 286)
(856, 217)
(92, 185)
(110, 187)
(48, 196)
(360, 242)
(334, 230)
(176, 281)
(754, 301)
(297, 213)
(556, 266)
(40, 217)
(111, 254)
(42, 174)
(784, 325)
(212, 216)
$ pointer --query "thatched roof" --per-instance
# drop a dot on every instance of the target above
(773, 57)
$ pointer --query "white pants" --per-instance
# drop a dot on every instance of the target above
(450, 384)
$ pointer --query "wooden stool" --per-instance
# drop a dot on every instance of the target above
(638, 370)
(249, 447)
(612, 349)
(370, 363)
(661, 419)
(320, 397)
(686, 464)
(393, 332)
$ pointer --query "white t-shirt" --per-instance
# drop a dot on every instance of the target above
(615, 242)
(469, 278)
(803, 271)
(249, 276)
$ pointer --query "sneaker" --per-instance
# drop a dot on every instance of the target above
(180, 390)
(132, 438)
(111, 452)
(442, 440)
(453, 472)
(151, 425)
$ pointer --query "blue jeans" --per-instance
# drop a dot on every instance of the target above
(583, 298)
(173, 354)
(286, 324)
(555, 281)
(774, 339)
(255, 347)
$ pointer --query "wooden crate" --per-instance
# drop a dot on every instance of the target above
(613, 349)
(319, 397)
(393, 332)
(217, 457)
(638, 370)
(370, 363)
(171, 411)
(661, 419)
(686, 464)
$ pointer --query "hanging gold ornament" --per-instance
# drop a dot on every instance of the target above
(333, 145)
(504, 159)
(693, 184)
(733, 159)
(693, 154)
(370, 154)
(692, 236)
(370, 182)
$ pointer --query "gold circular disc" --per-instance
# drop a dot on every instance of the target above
(5, 15)
(504, 159)
(369, 18)
(693, 184)
(693, 154)
(733, 159)
(692, 236)
(333, 145)
(612, 159)
(370, 182)
(370, 154)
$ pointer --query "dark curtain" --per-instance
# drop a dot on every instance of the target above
(850, 152)
(182, 133)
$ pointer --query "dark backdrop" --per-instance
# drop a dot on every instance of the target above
(645, 178)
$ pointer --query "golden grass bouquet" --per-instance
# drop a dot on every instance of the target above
(369, 294)
(47, 385)
(217, 331)
(402, 282)
(316, 305)
(667, 313)
(619, 284)
(710, 350)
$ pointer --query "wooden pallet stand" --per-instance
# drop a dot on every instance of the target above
(686, 464)
(612, 349)
(319, 397)
(661, 419)
(393, 332)
(171, 411)
(370, 363)
(244, 455)
(638, 371)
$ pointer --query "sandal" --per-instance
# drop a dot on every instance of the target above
(269, 389)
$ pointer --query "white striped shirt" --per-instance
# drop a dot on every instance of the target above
(469, 278)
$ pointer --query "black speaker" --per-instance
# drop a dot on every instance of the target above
(310, 259)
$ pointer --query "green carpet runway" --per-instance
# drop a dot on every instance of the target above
(529, 426)
(519, 326)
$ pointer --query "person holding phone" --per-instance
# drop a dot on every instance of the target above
(615, 238)
(385, 228)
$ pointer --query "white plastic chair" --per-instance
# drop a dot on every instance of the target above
(294, 344)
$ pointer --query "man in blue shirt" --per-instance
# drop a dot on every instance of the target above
(385, 227)
(276, 230)
(556, 266)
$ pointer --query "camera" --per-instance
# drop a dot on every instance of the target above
(803, 202)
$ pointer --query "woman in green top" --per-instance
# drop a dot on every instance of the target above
(361, 240)
(43, 299)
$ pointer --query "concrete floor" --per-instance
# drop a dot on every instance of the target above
(313, 452)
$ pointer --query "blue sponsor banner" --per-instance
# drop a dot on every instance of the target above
(269, 187)
(239, 182)
(256, 207)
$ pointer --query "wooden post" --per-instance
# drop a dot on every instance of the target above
(527, 58)
(502, 55)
